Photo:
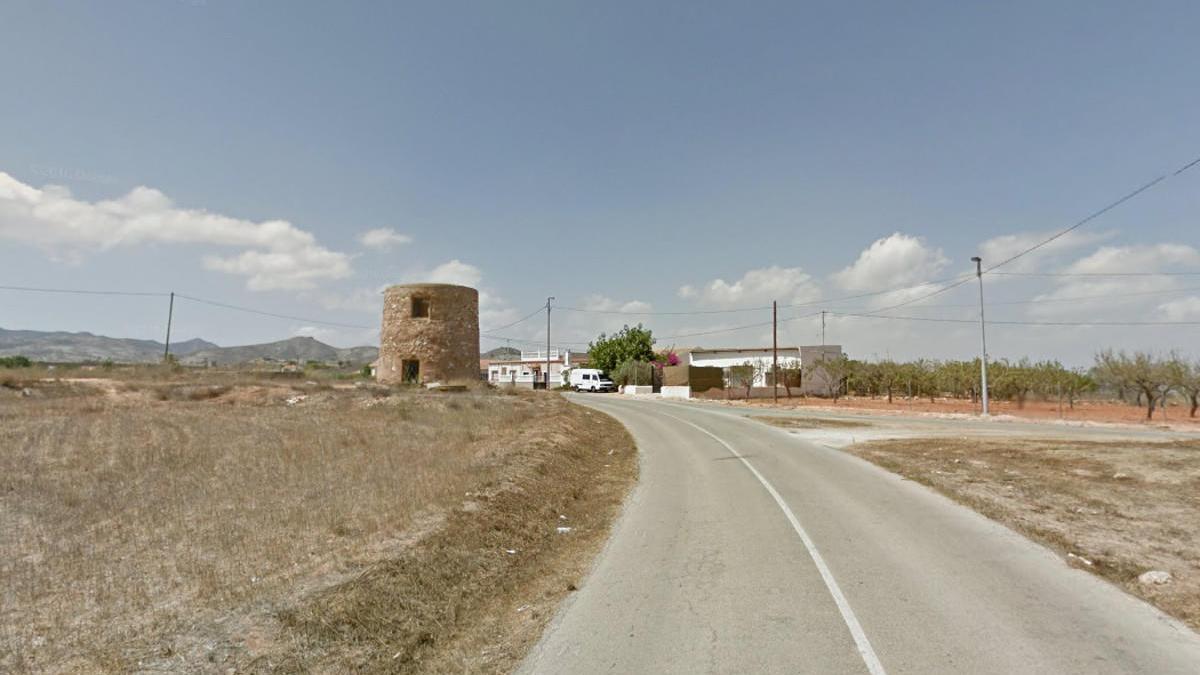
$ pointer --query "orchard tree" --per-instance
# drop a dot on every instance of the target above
(1185, 378)
(1139, 371)
(737, 377)
(836, 371)
(889, 375)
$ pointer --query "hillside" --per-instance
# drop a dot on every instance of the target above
(64, 347)
(61, 346)
(292, 349)
(501, 354)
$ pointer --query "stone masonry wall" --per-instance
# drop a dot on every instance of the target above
(446, 342)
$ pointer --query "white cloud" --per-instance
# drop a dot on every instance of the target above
(1183, 309)
(1142, 258)
(1118, 297)
(383, 238)
(785, 284)
(602, 303)
(897, 260)
(366, 300)
(999, 249)
(456, 272)
(277, 254)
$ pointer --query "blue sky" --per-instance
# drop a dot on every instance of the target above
(636, 156)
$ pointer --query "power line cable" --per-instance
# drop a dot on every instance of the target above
(289, 317)
(1094, 215)
(664, 313)
(1036, 301)
(77, 291)
(532, 314)
(1097, 274)
(1020, 323)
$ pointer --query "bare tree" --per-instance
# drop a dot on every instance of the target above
(1139, 371)
(1185, 378)
(789, 375)
(835, 372)
(740, 376)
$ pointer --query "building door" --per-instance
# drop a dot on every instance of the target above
(410, 371)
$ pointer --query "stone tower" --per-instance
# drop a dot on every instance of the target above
(430, 334)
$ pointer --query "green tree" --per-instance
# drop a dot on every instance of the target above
(889, 375)
(15, 362)
(627, 344)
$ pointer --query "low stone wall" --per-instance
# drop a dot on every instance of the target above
(677, 391)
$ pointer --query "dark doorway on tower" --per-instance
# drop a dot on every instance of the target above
(410, 371)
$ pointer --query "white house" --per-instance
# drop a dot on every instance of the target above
(789, 357)
(727, 357)
(531, 368)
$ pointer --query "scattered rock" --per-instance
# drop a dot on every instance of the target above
(1120, 476)
(563, 530)
(1081, 559)
(1154, 578)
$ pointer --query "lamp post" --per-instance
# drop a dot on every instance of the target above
(982, 337)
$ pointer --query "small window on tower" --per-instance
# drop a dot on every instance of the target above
(420, 308)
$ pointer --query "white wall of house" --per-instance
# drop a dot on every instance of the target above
(529, 368)
(725, 358)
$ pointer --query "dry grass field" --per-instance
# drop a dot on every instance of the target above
(1119, 509)
(159, 521)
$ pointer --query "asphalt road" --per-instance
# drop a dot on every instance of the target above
(745, 549)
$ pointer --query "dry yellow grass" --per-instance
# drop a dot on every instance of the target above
(173, 525)
(1124, 507)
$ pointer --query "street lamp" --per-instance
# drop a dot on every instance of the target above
(982, 335)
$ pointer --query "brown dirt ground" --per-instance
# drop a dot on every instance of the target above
(1085, 411)
(809, 422)
(1125, 507)
(206, 524)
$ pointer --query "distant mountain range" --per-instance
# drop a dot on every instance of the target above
(62, 347)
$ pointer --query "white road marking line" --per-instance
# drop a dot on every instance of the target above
(856, 631)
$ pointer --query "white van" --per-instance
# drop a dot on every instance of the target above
(590, 379)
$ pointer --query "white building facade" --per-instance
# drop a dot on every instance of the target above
(530, 368)
(760, 357)
(806, 357)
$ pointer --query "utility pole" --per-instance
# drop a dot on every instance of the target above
(982, 336)
(822, 328)
(548, 301)
(170, 314)
(775, 349)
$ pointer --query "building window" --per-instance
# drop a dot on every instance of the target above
(410, 371)
(420, 308)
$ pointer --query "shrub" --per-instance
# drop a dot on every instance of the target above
(15, 362)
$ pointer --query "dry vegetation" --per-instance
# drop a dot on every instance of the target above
(1121, 509)
(156, 521)
(810, 422)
